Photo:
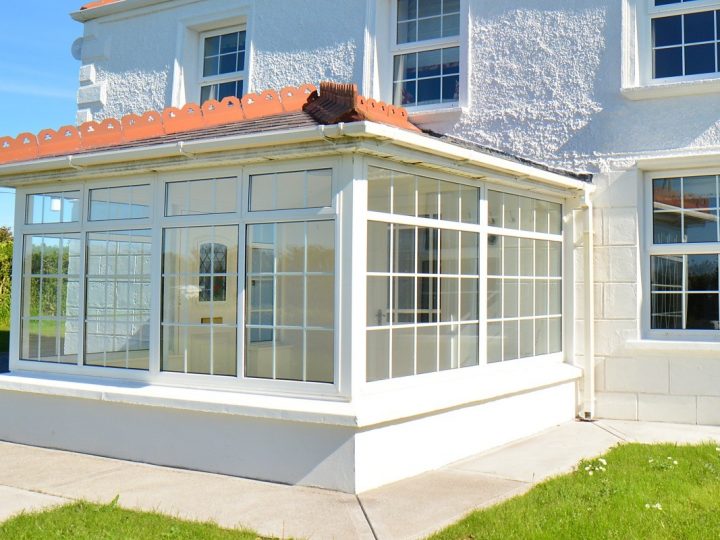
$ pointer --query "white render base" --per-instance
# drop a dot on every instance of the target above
(316, 447)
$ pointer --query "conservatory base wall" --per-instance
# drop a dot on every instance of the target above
(336, 457)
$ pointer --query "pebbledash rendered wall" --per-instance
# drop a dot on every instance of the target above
(555, 81)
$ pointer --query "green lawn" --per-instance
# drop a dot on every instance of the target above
(84, 521)
(634, 491)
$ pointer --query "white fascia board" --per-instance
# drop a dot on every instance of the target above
(85, 15)
(421, 142)
(400, 137)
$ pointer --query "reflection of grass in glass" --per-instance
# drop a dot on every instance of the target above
(4, 339)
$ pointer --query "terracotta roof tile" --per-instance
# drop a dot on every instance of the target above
(268, 110)
(99, 3)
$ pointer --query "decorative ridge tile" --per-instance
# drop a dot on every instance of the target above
(335, 103)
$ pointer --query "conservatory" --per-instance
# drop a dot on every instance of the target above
(338, 302)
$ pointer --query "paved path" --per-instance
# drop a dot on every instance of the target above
(35, 478)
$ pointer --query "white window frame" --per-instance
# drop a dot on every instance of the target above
(650, 249)
(435, 111)
(483, 369)
(158, 222)
(637, 58)
(224, 77)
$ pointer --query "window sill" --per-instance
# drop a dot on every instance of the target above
(433, 115)
(672, 89)
(689, 349)
(417, 396)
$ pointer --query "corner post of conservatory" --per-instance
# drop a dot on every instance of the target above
(588, 408)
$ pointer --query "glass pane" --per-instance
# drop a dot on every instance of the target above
(176, 199)
(699, 27)
(527, 338)
(541, 297)
(290, 190)
(495, 255)
(512, 211)
(555, 218)
(542, 216)
(427, 198)
(702, 312)
(201, 199)
(262, 192)
(541, 337)
(378, 355)
(404, 194)
(451, 25)
(470, 257)
(495, 209)
(290, 246)
(320, 297)
(449, 201)
(427, 250)
(427, 299)
(289, 354)
(469, 300)
(668, 62)
(495, 298)
(449, 252)
(404, 248)
(527, 214)
(527, 298)
(319, 188)
(404, 299)
(429, 8)
(494, 342)
(259, 356)
(225, 195)
(700, 192)
(448, 347)
(379, 182)
(555, 259)
(541, 257)
(554, 335)
(378, 301)
(470, 199)
(527, 257)
(700, 59)
(667, 194)
(289, 300)
(224, 351)
(511, 296)
(403, 352)
(469, 344)
(427, 343)
(667, 31)
(666, 273)
(449, 300)
(510, 340)
(701, 226)
(666, 311)
(511, 255)
(378, 241)
(702, 272)
(321, 246)
(667, 228)
(320, 355)
(555, 294)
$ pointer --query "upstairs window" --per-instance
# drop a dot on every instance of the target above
(426, 55)
(685, 38)
(223, 65)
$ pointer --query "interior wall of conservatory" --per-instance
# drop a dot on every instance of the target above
(505, 272)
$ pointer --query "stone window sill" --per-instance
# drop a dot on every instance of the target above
(672, 89)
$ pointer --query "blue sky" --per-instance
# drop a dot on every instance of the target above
(38, 75)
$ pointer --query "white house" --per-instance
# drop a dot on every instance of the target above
(509, 221)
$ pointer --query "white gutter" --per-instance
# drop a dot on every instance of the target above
(369, 130)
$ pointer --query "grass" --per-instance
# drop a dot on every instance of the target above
(644, 491)
(85, 521)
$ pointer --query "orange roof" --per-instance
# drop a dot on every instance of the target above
(335, 103)
(99, 3)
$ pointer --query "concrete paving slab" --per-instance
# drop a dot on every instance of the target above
(550, 453)
(658, 432)
(16, 501)
(270, 509)
(419, 506)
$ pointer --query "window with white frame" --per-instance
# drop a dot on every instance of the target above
(422, 275)
(426, 53)
(684, 247)
(524, 287)
(684, 38)
(222, 65)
